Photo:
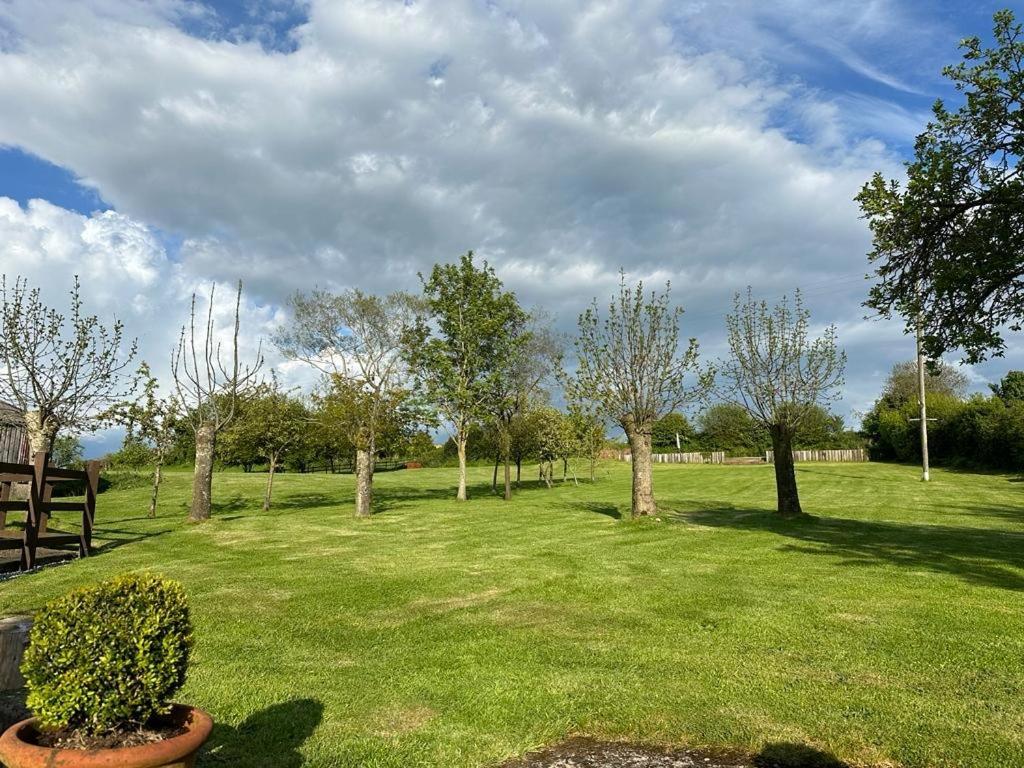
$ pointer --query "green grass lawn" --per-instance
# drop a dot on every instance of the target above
(887, 630)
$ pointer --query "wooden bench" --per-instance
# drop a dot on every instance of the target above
(41, 478)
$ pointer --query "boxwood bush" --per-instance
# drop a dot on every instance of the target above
(110, 656)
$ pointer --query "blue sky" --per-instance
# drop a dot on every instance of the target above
(161, 146)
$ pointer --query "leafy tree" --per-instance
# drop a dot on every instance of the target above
(941, 378)
(271, 423)
(534, 355)
(780, 374)
(356, 339)
(67, 451)
(630, 365)
(150, 422)
(208, 386)
(61, 370)
(464, 344)
(670, 428)
(729, 427)
(1010, 388)
(949, 244)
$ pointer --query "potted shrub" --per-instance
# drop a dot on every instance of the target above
(101, 668)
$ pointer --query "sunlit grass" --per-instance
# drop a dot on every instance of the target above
(888, 628)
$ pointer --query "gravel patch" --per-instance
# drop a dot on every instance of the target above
(584, 753)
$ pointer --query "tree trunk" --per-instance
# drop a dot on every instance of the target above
(460, 441)
(364, 481)
(41, 434)
(565, 468)
(643, 480)
(494, 480)
(506, 455)
(271, 469)
(593, 475)
(202, 478)
(519, 468)
(785, 473)
(158, 472)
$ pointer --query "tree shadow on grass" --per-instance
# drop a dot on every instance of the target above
(599, 508)
(978, 555)
(789, 755)
(269, 737)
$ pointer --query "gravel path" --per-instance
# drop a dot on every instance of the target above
(582, 753)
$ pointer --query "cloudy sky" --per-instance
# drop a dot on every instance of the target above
(155, 147)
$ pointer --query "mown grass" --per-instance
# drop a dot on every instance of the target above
(887, 630)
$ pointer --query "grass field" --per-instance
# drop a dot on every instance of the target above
(887, 630)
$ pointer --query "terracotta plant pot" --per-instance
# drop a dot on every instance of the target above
(18, 750)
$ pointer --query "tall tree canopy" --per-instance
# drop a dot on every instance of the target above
(949, 243)
(630, 363)
(464, 344)
(780, 375)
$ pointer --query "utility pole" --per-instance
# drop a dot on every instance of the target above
(923, 414)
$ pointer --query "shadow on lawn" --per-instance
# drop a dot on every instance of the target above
(978, 555)
(271, 736)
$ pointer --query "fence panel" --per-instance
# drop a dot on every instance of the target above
(833, 455)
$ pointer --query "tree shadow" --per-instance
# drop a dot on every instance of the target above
(791, 755)
(598, 508)
(977, 555)
(269, 737)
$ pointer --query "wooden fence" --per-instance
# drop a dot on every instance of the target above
(841, 455)
(13, 435)
(41, 477)
(715, 457)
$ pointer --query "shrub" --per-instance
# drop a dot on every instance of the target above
(108, 656)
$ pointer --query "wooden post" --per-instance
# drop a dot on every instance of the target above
(35, 511)
(92, 470)
(5, 495)
(13, 639)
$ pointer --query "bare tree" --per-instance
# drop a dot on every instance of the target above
(207, 390)
(631, 366)
(356, 339)
(779, 375)
(61, 370)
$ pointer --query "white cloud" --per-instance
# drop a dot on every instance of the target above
(560, 140)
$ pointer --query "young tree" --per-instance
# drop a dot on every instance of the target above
(779, 375)
(356, 339)
(948, 244)
(464, 345)
(208, 386)
(62, 371)
(534, 355)
(271, 423)
(150, 421)
(630, 364)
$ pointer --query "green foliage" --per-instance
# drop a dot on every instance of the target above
(464, 344)
(1010, 388)
(267, 425)
(110, 656)
(133, 454)
(947, 245)
(665, 430)
(67, 451)
(730, 427)
(982, 432)
(902, 385)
